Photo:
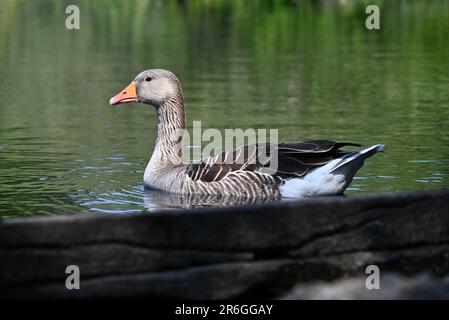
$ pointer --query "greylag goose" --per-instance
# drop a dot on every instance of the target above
(309, 168)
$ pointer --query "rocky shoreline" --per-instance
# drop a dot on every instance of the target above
(261, 251)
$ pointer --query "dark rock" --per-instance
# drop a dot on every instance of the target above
(250, 251)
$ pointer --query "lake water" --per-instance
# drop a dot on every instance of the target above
(310, 70)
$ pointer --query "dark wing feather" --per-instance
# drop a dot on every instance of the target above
(293, 159)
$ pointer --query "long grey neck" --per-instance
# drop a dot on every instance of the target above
(168, 151)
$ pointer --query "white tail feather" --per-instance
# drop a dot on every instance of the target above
(332, 178)
(360, 155)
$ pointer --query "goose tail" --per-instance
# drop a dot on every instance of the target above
(350, 163)
(332, 178)
(353, 158)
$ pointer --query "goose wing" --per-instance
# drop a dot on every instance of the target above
(285, 160)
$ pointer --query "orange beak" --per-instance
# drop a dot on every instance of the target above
(128, 94)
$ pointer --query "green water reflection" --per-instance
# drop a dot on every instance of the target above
(311, 70)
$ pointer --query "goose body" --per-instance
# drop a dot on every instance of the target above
(309, 168)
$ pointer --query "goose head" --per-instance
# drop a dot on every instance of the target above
(154, 87)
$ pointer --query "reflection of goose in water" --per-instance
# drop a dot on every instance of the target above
(156, 200)
(309, 168)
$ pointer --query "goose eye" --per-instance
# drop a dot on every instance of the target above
(148, 79)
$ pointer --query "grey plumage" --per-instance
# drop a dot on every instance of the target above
(249, 172)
